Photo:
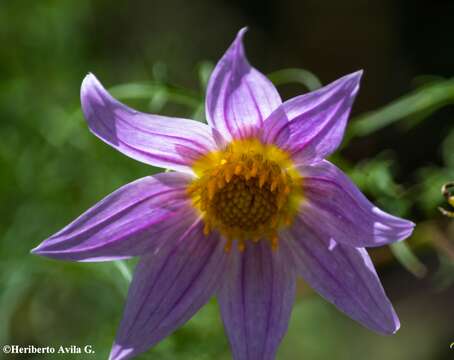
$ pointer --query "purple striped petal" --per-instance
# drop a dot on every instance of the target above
(343, 275)
(276, 129)
(256, 300)
(153, 139)
(347, 216)
(168, 288)
(239, 98)
(131, 221)
(311, 126)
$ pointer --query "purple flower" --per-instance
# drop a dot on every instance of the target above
(251, 206)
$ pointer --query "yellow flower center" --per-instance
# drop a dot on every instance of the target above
(247, 191)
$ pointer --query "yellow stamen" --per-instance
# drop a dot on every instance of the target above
(206, 229)
(262, 178)
(211, 188)
(228, 246)
(228, 173)
(274, 242)
(247, 192)
(241, 246)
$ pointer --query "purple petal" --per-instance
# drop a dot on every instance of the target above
(276, 129)
(153, 139)
(239, 98)
(347, 216)
(343, 275)
(168, 288)
(256, 299)
(131, 221)
(311, 126)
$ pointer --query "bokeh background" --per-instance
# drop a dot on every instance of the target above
(156, 56)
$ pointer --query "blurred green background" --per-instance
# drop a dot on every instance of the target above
(156, 56)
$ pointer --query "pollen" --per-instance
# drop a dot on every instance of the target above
(248, 191)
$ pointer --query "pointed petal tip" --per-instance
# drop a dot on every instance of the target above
(393, 327)
(403, 227)
(359, 73)
(238, 96)
(410, 227)
(39, 249)
(242, 32)
(388, 331)
(89, 80)
(89, 75)
(388, 326)
(118, 352)
(35, 250)
(352, 80)
(238, 42)
(355, 76)
(88, 83)
(396, 327)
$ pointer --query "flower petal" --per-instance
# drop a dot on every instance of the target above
(343, 275)
(276, 129)
(131, 221)
(239, 98)
(256, 299)
(347, 216)
(168, 288)
(153, 139)
(311, 126)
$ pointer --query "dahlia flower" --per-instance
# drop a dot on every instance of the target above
(251, 205)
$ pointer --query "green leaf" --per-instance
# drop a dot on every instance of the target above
(124, 270)
(205, 69)
(300, 76)
(424, 100)
(407, 259)
(159, 94)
